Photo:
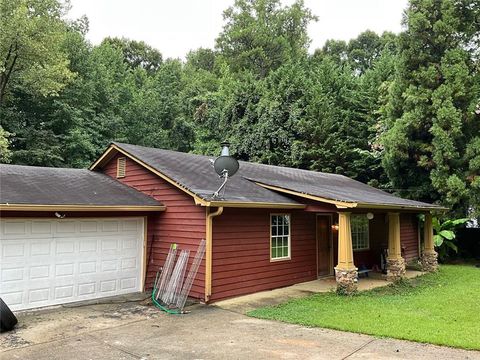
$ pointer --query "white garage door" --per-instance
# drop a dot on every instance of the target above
(47, 262)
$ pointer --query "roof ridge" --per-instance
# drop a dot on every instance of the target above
(253, 163)
(161, 149)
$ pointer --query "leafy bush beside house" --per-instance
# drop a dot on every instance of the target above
(444, 236)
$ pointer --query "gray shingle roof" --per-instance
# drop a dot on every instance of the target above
(194, 173)
(34, 185)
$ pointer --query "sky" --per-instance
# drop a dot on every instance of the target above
(176, 27)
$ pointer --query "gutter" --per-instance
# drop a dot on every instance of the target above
(208, 249)
(45, 207)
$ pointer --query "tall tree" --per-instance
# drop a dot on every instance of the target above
(260, 35)
(154, 117)
(431, 113)
(137, 53)
(31, 57)
(334, 135)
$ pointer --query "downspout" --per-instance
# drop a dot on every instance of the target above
(208, 250)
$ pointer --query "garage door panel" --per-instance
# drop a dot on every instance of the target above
(88, 226)
(128, 283)
(110, 226)
(64, 292)
(65, 227)
(65, 247)
(109, 244)
(86, 289)
(12, 274)
(14, 227)
(13, 299)
(41, 227)
(41, 295)
(12, 251)
(40, 247)
(38, 272)
(76, 260)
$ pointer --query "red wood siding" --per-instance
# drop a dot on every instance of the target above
(409, 236)
(182, 223)
(241, 252)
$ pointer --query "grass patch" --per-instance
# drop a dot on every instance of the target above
(441, 308)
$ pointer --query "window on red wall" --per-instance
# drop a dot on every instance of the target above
(360, 234)
(279, 237)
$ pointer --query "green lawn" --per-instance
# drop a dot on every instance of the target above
(441, 308)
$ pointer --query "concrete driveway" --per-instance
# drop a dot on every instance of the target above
(135, 331)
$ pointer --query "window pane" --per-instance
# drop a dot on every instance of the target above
(285, 230)
(280, 230)
(274, 230)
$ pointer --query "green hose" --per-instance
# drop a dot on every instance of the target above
(160, 306)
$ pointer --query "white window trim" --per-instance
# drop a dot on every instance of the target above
(368, 235)
(284, 258)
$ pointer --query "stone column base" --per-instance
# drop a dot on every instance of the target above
(346, 281)
(429, 261)
(395, 269)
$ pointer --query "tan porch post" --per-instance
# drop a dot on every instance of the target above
(345, 271)
(395, 262)
(429, 257)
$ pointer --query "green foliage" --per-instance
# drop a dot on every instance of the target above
(5, 152)
(397, 111)
(430, 113)
(31, 58)
(426, 309)
(444, 235)
(260, 35)
(137, 53)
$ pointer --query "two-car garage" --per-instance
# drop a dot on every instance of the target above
(53, 261)
(69, 235)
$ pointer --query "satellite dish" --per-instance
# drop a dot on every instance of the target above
(225, 162)
(225, 166)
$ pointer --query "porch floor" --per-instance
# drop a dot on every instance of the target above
(246, 303)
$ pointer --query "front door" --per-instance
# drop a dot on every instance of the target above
(323, 245)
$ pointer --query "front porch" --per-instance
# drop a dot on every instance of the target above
(346, 271)
(246, 303)
(377, 243)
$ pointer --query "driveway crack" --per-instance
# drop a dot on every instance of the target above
(360, 348)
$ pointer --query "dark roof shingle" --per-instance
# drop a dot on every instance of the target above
(32, 185)
(194, 173)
